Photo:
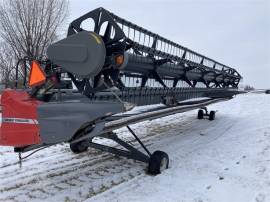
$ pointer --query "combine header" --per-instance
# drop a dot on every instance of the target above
(114, 66)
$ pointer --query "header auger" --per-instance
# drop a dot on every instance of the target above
(113, 65)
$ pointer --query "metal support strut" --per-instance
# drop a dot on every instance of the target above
(20, 159)
(136, 137)
(130, 151)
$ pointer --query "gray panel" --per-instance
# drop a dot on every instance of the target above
(65, 118)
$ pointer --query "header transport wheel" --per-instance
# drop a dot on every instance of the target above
(79, 147)
(212, 115)
(158, 162)
(200, 114)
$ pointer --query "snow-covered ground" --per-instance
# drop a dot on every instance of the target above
(227, 160)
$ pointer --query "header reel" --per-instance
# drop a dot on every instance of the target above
(113, 48)
(115, 52)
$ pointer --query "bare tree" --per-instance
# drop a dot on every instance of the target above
(248, 88)
(28, 27)
(7, 64)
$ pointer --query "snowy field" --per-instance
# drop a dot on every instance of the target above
(227, 160)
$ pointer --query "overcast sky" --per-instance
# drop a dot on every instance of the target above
(233, 32)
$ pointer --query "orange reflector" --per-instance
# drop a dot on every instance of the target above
(119, 60)
(37, 75)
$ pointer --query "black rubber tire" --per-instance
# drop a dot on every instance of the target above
(158, 162)
(200, 114)
(212, 115)
(79, 147)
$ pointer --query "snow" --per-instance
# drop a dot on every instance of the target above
(227, 159)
